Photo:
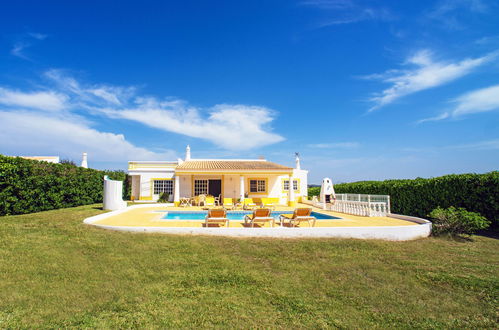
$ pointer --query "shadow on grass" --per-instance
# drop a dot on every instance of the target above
(455, 238)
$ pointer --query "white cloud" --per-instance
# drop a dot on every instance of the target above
(480, 100)
(442, 116)
(428, 73)
(35, 133)
(43, 100)
(229, 126)
(338, 145)
(26, 41)
(481, 145)
(348, 11)
(18, 49)
(449, 12)
(38, 36)
(472, 146)
(329, 4)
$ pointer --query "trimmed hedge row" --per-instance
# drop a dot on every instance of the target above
(28, 186)
(418, 197)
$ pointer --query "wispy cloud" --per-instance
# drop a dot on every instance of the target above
(338, 145)
(492, 144)
(24, 42)
(481, 145)
(43, 100)
(480, 100)
(489, 40)
(449, 12)
(426, 73)
(347, 11)
(38, 36)
(229, 126)
(31, 132)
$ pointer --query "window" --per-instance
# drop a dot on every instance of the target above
(163, 186)
(258, 186)
(285, 185)
(200, 187)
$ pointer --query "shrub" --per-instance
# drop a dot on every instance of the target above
(28, 186)
(457, 221)
(314, 191)
(418, 197)
(163, 198)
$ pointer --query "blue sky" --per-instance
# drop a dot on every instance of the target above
(362, 89)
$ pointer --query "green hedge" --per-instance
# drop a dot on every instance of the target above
(28, 186)
(418, 197)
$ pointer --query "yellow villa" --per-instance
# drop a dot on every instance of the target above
(224, 178)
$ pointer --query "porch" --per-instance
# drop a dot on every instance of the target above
(236, 186)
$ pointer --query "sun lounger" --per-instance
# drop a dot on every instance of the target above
(209, 202)
(269, 203)
(249, 204)
(228, 203)
(298, 216)
(259, 216)
(216, 216)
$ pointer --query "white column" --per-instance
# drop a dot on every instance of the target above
(84, 162)
(176, 193)
(241, 188)
(291, 200)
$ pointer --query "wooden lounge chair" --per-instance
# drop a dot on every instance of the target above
(229, 204)
(216, 216)
(259, 216)
(298, 216)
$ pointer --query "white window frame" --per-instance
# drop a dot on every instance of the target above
(259, 186)
(162, 186)
(200, 187)
(285, 185)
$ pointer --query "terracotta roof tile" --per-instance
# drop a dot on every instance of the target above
(231, 165)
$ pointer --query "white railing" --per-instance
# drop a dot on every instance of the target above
(357, 204)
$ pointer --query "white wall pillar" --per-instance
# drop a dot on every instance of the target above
(84, 162)
(241, 188)
(291, 200)
(176, 193)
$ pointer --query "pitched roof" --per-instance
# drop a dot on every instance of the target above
(231, 165)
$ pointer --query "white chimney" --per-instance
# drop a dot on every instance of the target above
(84, 160)
(298, 167)
(187, 153)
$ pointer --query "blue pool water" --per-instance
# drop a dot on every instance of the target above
(232, 215)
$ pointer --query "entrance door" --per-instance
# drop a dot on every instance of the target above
(215, 187)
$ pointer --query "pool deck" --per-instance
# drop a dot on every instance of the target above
(147, 218)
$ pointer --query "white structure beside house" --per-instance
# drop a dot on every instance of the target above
(49, 159)
(229, 178)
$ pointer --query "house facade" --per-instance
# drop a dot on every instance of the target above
(229, 178)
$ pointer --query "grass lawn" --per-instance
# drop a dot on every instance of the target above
(57, 272)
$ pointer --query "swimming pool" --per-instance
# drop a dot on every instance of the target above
(231, 215)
